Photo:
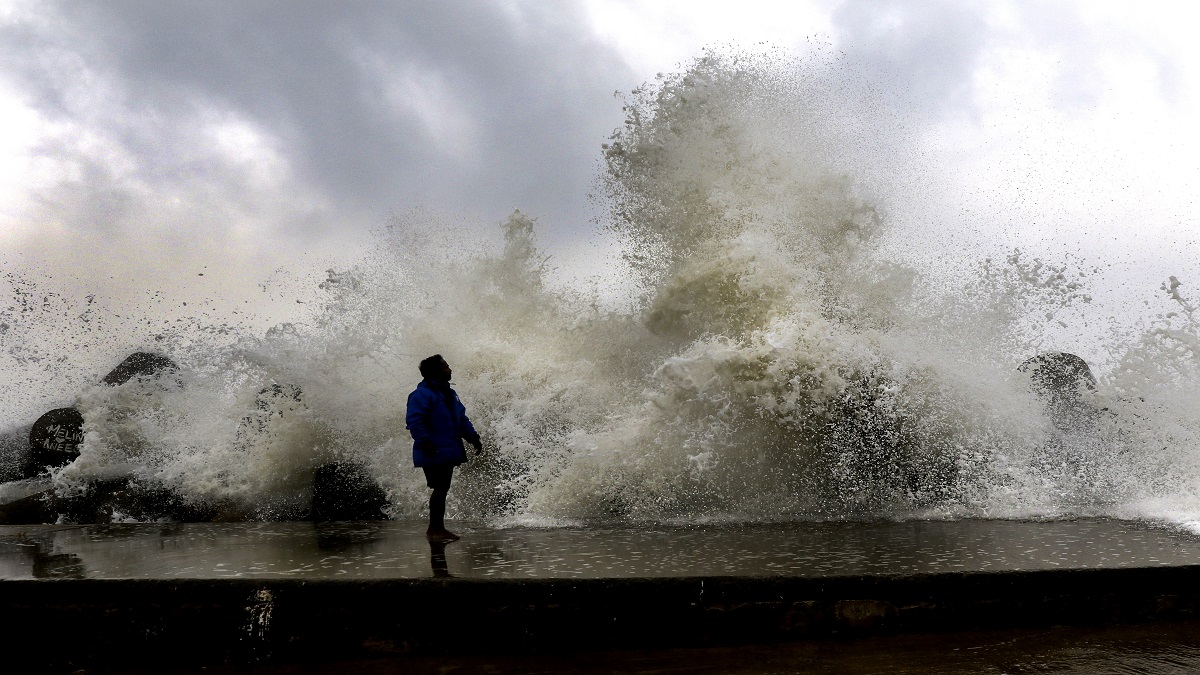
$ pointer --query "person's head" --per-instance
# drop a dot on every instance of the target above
(435, 368)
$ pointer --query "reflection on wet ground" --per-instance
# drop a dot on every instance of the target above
(399, 550)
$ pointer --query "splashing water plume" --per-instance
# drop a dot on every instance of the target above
(772, 361)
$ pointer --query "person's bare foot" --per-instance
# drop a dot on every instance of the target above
(441, 535)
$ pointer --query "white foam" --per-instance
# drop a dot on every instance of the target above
(774, 363)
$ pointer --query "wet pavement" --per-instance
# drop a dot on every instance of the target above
(982, 596)
(398, 550)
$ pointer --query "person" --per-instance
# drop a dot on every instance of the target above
(439, 424)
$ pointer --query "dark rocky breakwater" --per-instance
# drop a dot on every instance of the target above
(341, 490)
(348, 491)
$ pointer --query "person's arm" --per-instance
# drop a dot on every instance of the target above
(466, 429)
(415, 418)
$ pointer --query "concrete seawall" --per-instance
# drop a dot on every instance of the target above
(197, 618)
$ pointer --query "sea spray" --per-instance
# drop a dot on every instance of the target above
(773, 361)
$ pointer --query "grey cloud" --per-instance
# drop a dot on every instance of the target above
(1080, 49)
(530, 90)
(920, 54)
(924, 54)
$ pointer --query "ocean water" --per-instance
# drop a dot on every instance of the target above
(758, 352)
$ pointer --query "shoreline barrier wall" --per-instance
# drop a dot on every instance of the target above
(132, 622)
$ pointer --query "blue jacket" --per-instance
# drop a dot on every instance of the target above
(437, 427)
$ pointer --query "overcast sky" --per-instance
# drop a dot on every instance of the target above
(143, 144)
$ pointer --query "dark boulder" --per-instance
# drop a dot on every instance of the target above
(1058, 375)
(104, 502)
(272, 402)
(1061, 381)
(54, 440)
(31, 510)
(341, 491)
(346, 491)
(55, 437)
(138, 364)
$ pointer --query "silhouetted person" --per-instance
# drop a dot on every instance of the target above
(438, 423)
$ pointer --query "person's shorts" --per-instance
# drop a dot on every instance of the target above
(438, 477)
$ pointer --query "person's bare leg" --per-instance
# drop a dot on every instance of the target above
(437, 513)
